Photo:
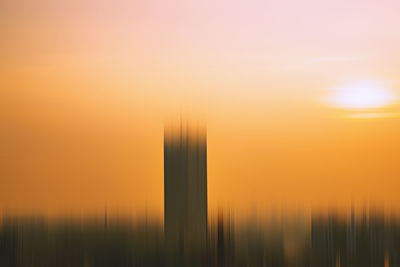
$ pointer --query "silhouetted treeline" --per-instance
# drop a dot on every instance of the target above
(323, 241)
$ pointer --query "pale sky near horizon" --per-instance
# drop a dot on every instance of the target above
(300, 99)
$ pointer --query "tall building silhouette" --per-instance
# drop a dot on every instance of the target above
(185, 186)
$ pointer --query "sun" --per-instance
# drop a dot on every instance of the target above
(361, 95)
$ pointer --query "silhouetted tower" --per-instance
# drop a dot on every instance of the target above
(221, 239)
(185, 186)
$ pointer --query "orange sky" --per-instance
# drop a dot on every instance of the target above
(87, 85)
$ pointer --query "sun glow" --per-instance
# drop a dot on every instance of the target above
(362, 95)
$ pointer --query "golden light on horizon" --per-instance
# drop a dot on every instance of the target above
(372, 115)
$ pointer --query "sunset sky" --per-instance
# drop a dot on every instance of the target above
(301, 100)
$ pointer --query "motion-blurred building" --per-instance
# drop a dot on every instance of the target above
(185, 187)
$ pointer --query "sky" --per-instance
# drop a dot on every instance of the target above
(300, 100)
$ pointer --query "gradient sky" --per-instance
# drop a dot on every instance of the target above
(86, 87)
